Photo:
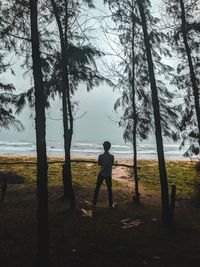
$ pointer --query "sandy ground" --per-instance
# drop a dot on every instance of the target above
(122, 174)
(119, 173)
(127, 235)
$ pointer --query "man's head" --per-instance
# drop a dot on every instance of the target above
(106, 146)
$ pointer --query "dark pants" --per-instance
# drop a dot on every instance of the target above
(109, 187)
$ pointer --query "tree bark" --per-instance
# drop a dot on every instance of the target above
(3, 188)
(68, 192)
(67, 176)
(136, 197)
(40, 126)
(173, 202)
(191, 67)
(58, 161)
(157, 119)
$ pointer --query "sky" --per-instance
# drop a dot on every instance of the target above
(98, 123)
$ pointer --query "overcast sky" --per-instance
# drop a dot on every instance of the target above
(96, 125)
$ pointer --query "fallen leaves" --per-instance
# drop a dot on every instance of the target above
(129, 223)
(89, 203)
(87, 213)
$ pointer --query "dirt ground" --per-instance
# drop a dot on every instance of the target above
(126, 235)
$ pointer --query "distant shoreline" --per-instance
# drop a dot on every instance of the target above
(90, 150)
(120, 160)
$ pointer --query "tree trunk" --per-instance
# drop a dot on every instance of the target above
(192, 73)
(136, 197)
(68, 192)
(157, 119)
(3, 188)
(40, 120)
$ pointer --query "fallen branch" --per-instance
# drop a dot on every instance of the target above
(16, 163)
(62, 162)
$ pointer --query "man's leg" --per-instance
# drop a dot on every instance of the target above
(96, 192)
(109, 186)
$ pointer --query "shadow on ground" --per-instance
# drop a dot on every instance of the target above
(12, 178)
(127, 235)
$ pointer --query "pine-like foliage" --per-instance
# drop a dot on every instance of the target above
(74, 64)
(149, 72)
(123, 12)
(183, 22)
(81, 54)
(16, 40)
(7, 105)
(7, 102)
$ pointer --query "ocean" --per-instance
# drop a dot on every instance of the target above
(90, 149)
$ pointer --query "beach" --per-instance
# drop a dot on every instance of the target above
(145, 150)
(182, 173)
(119, 173)
(127, 235)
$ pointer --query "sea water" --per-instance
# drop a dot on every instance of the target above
(90, 149)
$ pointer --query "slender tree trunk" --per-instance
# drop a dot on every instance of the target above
(136, 196)
(40, 120)
(68, 192)
(191, 67)
(3, 188)
(157, 119)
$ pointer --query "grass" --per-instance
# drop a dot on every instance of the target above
(102, 240)
(81, 172)
(181, 173)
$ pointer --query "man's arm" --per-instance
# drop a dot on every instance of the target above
(113, 159)
(99, 160)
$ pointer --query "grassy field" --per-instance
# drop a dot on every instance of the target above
(83, 174)
(181, 173)
(127, 235)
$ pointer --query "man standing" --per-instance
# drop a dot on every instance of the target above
(106, 161)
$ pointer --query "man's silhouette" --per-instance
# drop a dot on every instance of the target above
(106, 161)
